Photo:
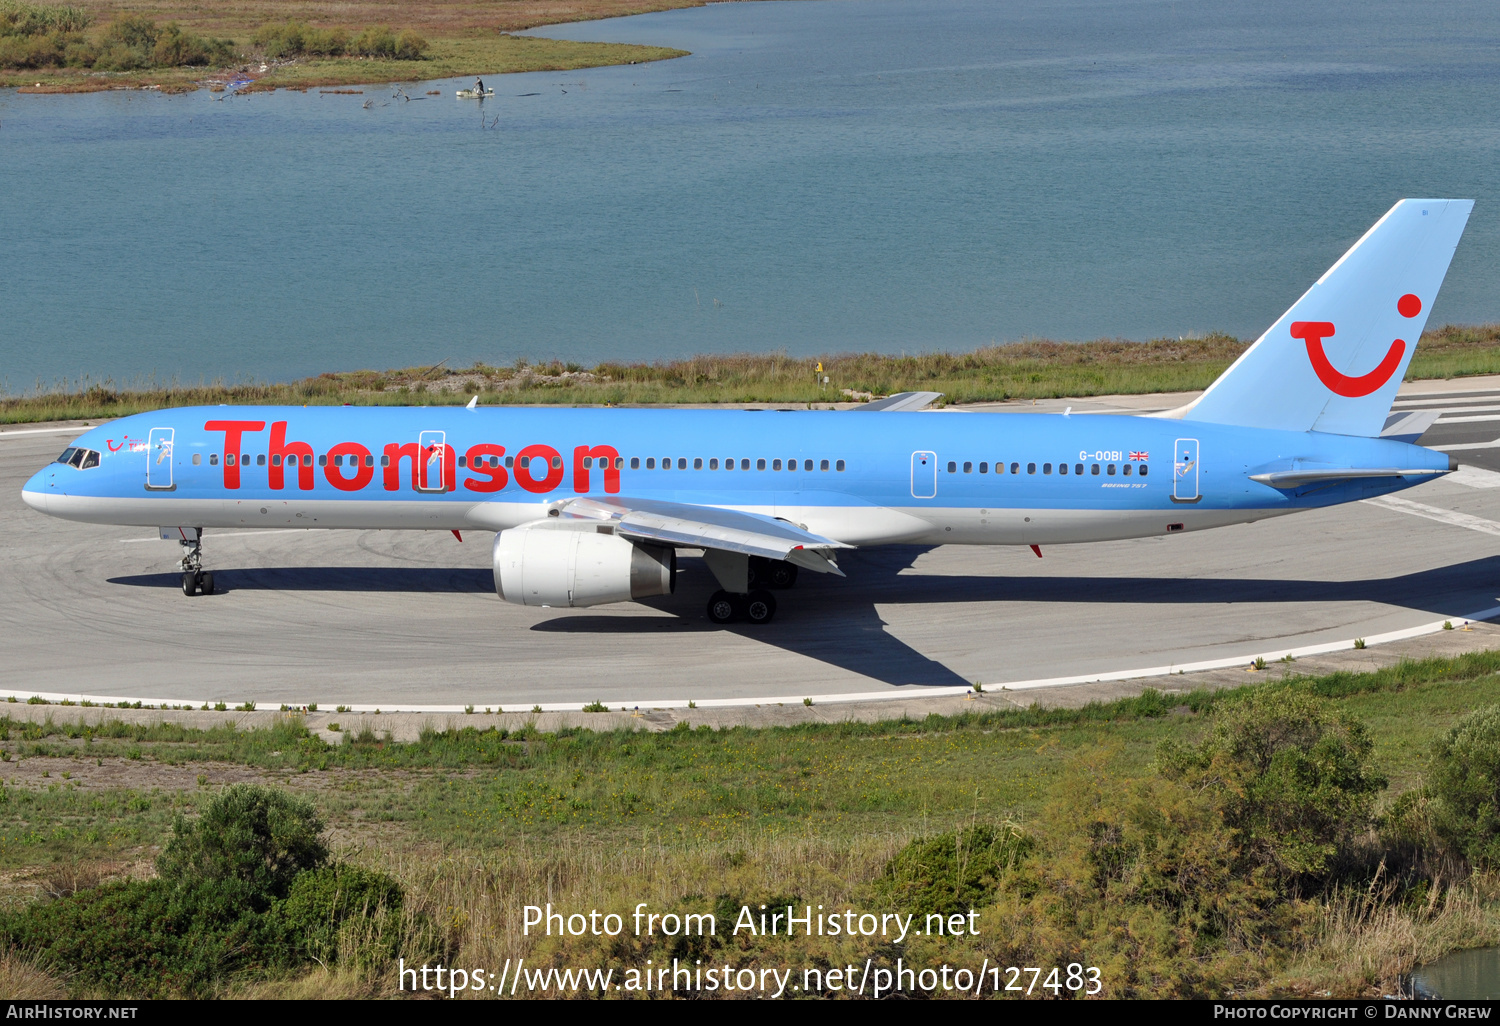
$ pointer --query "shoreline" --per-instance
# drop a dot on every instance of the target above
(1035, 370)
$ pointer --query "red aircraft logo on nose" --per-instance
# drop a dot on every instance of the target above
(1314, 332)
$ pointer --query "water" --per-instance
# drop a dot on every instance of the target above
(817, 176)
(1463, 975)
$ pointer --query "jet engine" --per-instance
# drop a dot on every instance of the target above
(553, 563)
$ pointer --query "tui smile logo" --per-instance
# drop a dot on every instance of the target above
(1314, 332)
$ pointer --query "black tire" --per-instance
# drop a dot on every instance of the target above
(758, 573)
(760, 607)
(722, 608)
(783, 574)
(189, 584)
(207, 584)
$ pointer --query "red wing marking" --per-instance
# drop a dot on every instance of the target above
(1314, 332)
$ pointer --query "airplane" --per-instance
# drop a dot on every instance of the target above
(589, 506)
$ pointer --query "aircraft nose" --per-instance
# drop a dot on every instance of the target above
(34, 492)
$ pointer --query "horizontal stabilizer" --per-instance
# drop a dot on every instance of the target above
(1300, 478)
(1408, 427)
(708, 527)
(901, 402)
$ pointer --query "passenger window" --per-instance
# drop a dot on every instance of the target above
(761, 464)
(775, 464)
(968, 468)
(385, 461)
(525, 462)
(745, 465)
(276, 460)
(197, 458)
(698, 463)
(839, 466)
(807, 464)
(1015, 468)
(463, 461)
(1046, 468)
(823, 465)
(307, 459)
(791, 464)
(510, 461)
(952, 467)
(1109, 470)
(1125, 469)
(1078, 468)
(323, 460)
(1094, 469)
(91, 460)
(370, 460)
(213, 459)
(228, 459)
(682, 463)
(588, 463)
(1062, 468)
(712, 464)
(556, 462)
(650, 462)
(619, 462)
(635, 463)
(1143, 470)
(729, 464)
(244, 460)
(260, 461)
(984, 468)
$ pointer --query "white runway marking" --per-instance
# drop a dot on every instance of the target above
(1445, 419)
(1442, 516)
(1466, 445)
(76, 430)
(1474, 477)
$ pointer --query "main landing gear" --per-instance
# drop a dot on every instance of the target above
(756, 607)
(194, 578)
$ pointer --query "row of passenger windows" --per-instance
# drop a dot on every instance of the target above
(744, 464)
(589, 462)
(1062, 468)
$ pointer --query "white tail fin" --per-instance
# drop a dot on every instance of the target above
(1333, 361)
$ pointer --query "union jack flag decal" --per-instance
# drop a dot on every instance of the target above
(1139, 455)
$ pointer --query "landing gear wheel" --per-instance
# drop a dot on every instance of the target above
(783, 574)
(722, 607)
(206, 583)
(189, 584)
(760, 607)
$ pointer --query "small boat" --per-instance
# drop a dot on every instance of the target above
(474, 94)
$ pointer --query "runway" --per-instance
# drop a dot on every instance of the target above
(410, 620)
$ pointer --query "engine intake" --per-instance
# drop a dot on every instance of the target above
(561, 564)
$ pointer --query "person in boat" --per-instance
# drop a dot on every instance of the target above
(479, 86)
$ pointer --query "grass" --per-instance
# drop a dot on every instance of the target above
(477, 823)
(1024, 370)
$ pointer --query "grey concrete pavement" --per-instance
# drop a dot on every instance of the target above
(409, 620)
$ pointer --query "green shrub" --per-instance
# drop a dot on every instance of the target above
(1463, 787)
(410, 47)
(296, 38)
(259, 836)
(324, 902)
(151, 938)
(1288, 776)
(953, 872)
(374, 42)
(175, 48)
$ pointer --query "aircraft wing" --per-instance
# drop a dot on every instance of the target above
(708, 527)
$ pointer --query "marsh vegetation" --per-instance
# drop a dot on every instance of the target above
(1308, 836)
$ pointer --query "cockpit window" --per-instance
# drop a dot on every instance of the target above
(83, 459)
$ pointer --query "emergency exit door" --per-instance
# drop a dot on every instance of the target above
(923, 475)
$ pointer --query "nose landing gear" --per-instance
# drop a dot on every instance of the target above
(194, 578)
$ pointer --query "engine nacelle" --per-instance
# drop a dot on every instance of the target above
(549, 563)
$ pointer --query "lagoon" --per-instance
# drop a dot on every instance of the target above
(820, 176)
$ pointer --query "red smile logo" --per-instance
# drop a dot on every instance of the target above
(1314, 332)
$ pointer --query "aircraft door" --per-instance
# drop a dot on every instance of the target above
(923, 475)
(432, 469)
(159, 458)
(1185, 470)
